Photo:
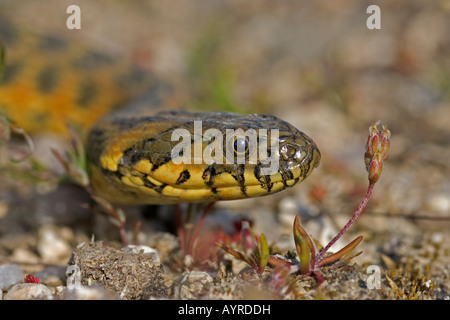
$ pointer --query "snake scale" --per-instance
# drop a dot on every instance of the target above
(129, 149)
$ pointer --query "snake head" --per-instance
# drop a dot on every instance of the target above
(181, 156)
(293, 156)
(301, 152)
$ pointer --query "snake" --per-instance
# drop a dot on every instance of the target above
(133, 118)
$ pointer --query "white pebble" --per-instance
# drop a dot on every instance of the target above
(200, 276)
(9, 275)
(437, 238)
(24, 255)
(439, 203)
(52, 247)
(28, 291)
(88, 293)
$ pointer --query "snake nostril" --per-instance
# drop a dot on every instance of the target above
(288, 151)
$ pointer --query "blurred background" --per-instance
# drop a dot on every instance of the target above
(316, 65)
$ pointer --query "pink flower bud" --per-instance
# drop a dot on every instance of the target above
(377, 151)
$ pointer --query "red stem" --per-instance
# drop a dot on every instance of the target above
(123, 233)
(198, 226)
(349, 223)
(180, 229)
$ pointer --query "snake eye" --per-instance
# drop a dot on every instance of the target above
(240, 145)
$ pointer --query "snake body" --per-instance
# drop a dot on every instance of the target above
(129, 151)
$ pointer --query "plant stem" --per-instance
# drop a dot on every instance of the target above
(123, 233)
(187, 241)
(180, 229)
(198, 225)
(349, 223)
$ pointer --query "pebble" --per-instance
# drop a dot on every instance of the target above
(9, 275)
(437, 238)
(192, 284)
(3, 209)
(439, 203)
(288, 209)
(28, 291)
(24, 255)
(52, 246)
(94, 292)
(165, 243)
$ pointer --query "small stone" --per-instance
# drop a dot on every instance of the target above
(28, 291)
(59, 291)
(53, 246)
(439, 203)
(87, 293)
(24, 255)
(437, 238)
(3, 209)
(165, 243)
(191, 285)
(9, 275)
(52, 275)
(288, 209)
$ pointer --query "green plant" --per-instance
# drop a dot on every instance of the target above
(255, 249)
(309, 262)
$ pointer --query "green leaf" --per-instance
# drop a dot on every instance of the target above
(305, 247)
(345, 250)
(234, 253)
(264, 258)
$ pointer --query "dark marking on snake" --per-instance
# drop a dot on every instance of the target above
(51, 43)
(87, 91)
(11, 71)
(47, 79)
(265, 180)
(184, 176)
(153, 186)
(239, 176)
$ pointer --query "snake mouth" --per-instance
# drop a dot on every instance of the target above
(144, 191)
(175, 183)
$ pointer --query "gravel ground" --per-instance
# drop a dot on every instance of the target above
(313, 64)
